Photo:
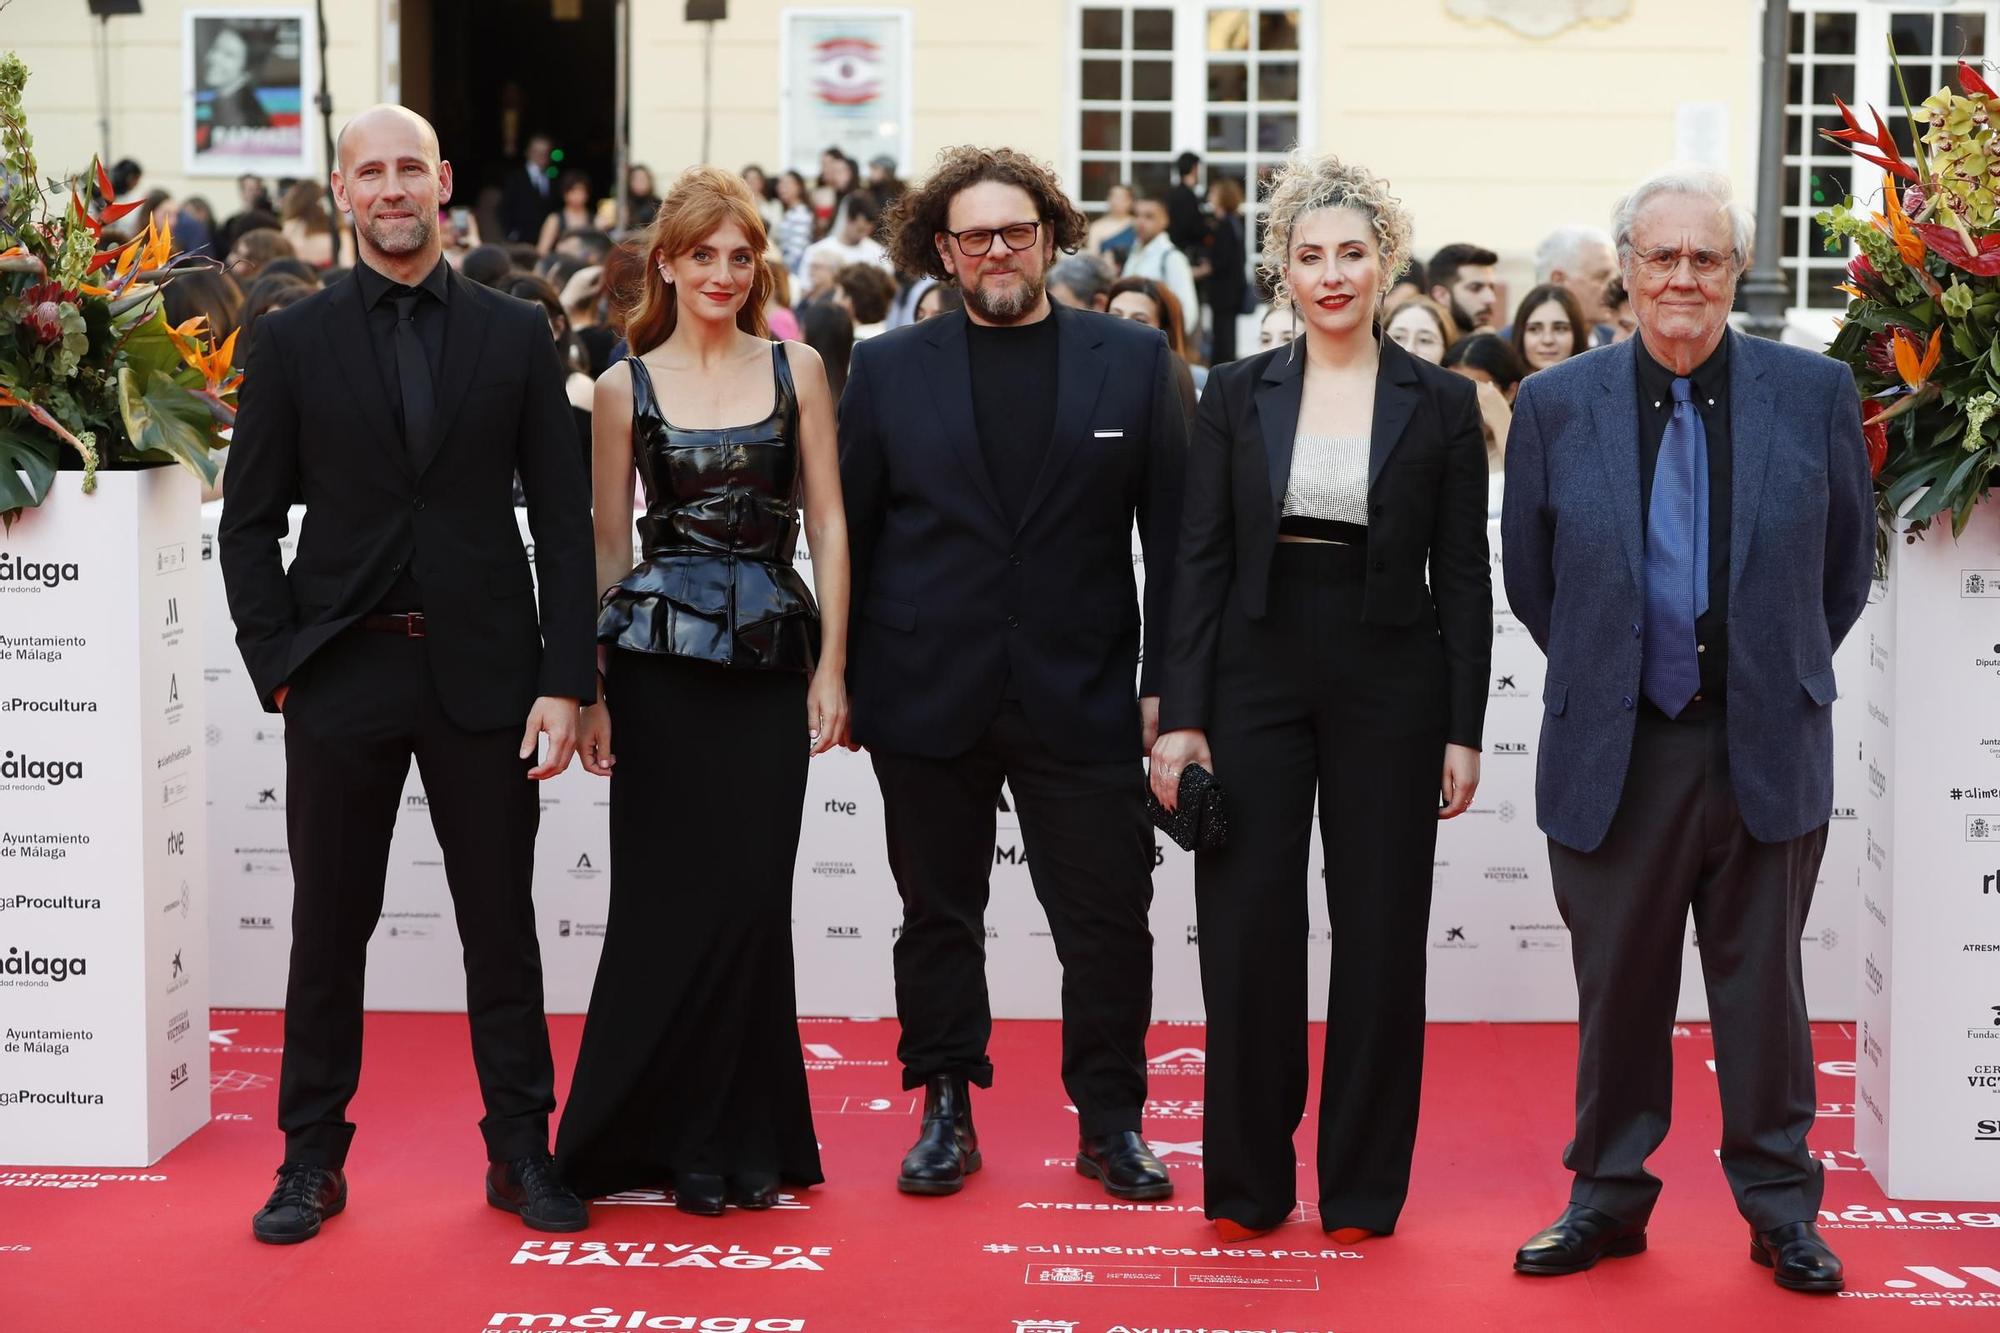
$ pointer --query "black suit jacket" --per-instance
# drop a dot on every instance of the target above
(1426, 511)
(523, 207)
(949, 595)
(315, 427)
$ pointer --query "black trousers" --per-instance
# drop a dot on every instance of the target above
(360, 709)
(1309, 700)
(1090, 854)
(1678, 842)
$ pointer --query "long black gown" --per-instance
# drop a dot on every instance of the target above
(690, 1059)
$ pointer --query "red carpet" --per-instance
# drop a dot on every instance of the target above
(1029, 1247)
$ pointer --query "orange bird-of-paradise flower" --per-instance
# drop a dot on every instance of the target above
(214, 363)
(1896, 223)
(1914, 368)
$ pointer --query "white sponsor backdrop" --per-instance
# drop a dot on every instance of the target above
(103, 862)
(1498, 949)
(1927, 1063)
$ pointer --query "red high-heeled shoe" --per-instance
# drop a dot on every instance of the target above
(1231, 1233)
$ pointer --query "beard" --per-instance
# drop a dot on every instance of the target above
(402, 236)
(1007, 307)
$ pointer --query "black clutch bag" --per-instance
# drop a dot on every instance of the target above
(1198, 824)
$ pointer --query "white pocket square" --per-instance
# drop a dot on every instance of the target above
(1108, 434)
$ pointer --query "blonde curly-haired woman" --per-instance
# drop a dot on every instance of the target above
(1331, 635)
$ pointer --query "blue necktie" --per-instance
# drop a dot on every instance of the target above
(1676, 559)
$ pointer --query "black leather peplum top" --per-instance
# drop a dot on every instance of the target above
(716, 581)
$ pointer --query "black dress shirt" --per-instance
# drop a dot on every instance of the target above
(1656, 407)
(378, 298)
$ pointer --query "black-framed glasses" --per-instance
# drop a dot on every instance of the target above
(976, 241)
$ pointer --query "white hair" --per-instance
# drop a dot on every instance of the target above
(1563, 249)
(1699, 182)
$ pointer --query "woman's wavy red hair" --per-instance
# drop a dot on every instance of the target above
(702, 199)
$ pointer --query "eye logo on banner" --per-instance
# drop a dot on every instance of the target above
(847, 73)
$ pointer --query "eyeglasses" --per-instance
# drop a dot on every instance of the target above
(976, 241)
(1664, 262)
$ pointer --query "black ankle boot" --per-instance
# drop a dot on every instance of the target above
(947, 1151)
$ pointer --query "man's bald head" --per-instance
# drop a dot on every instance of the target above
(392, 126)
(393, 180)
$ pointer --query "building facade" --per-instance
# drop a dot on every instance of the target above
(1494, 119)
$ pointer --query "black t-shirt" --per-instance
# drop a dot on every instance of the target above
(1013, 403)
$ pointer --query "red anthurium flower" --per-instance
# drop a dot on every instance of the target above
(1876, 434)
(1947, 244)
(1969, 80)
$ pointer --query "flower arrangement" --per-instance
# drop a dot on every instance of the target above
(1922, 329)
(88, 362)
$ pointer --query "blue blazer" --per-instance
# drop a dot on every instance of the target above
(1801, 554)
(950, 596)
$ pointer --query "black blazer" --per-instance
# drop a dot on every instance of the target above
(316, 427)
(1426, 509)
(947, 594)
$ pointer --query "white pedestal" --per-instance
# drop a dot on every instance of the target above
(103, 842)
(1927, 1066)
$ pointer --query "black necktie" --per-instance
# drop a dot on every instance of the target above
(413, 369)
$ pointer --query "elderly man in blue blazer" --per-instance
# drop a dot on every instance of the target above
(1688, 535)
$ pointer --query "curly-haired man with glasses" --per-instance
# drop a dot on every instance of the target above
(993, 460)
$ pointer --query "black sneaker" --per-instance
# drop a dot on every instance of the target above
(305, 1196)
(529, 1187)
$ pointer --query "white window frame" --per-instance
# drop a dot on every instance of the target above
(1191, 56)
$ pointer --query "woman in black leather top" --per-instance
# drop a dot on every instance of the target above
(724, 679)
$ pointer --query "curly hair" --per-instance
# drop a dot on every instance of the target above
(1306, 185)
(921, 213)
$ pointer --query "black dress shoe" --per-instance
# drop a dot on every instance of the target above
(754, 1190)
(1125, 1164)
(700, 1193)
(1798, 1258)
(1576, 1240)
(305, 1197)
(947, 1149)
(529, 1187)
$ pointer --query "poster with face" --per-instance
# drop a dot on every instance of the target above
(247, 78)
(846, 87)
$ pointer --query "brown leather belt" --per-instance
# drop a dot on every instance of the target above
(409, 624)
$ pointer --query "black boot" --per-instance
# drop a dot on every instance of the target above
(1125, 1165)
(947, 1151)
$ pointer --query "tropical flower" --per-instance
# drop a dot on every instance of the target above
(1916, 368)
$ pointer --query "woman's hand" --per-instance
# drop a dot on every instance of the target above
(593, 739)
(826, 710)
(1172, 752)
(1460, 780)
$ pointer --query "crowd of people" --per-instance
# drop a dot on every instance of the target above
(989, 393)
(1177, 261)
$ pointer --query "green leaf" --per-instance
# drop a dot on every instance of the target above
(1942, 496)
(167, 422)
(149, 349)
(1962, 513)
(27, 462)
